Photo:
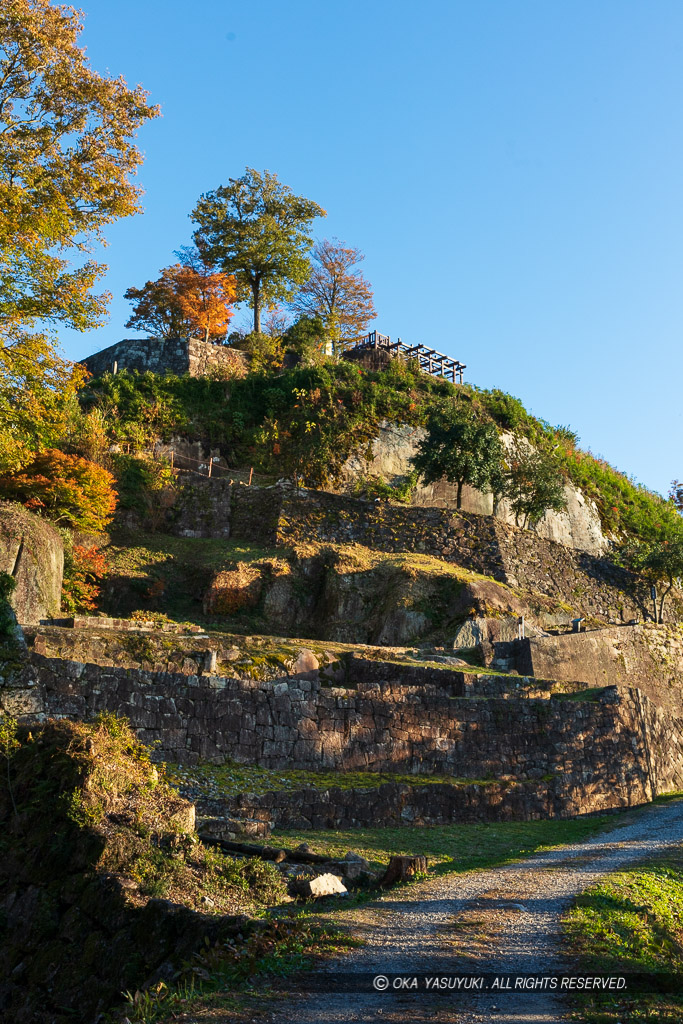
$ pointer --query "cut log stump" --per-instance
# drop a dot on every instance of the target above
(402, 868)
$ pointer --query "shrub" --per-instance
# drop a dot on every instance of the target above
(146, 486)
(84, 569)
(65, 488)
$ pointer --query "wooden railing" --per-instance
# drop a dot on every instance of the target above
(429, 359)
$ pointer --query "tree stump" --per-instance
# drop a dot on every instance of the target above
(402, 868)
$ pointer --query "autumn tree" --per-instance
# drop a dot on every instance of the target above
(66, 489)
(157, 308)
(184, 301)
(206, 297)
(336, 293)
(37, 389)
(67, 157)
(258, 230)
(459, 448)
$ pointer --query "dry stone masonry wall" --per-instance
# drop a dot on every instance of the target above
(168, 355)
(278, 515)
(647, 656)
(619, 750)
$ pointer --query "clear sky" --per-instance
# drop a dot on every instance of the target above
(512, 171)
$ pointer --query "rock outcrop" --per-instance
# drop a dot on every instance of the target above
(31, 551)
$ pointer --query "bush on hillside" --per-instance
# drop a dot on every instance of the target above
(84, 570)
(146, 486)
(234, 415)
(7, 620)
(66, 489)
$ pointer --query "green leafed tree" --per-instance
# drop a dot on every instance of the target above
(461, 449)
(67, 158)
(258, 230)
(533, 482)
(660, 558)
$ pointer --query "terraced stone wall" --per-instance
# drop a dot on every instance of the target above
(619, 750)
(592, 585)
(589, 585)
(392, 804)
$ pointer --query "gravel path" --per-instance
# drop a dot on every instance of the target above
(504, 920)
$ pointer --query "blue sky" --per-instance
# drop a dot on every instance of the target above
(512, 171)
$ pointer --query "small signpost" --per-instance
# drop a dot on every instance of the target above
(520, 627)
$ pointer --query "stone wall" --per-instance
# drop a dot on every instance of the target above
(31, 550)
(202, 508)
(168, 355)
(647, 656)
(517, 557)
(392, 803)
(587, 584)
(621, 749)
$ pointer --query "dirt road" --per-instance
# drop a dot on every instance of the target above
(504, 920)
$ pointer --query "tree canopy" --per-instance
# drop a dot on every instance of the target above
(67, 158)
(186, 300)
(37, 388)
(157, 308)
(459, 448)
(65, 488)
(258, 230)
(340, 296)
(533, 482)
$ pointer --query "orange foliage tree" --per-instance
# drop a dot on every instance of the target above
(65, 488)
(84, 569)
(187, 300)
(206, 300)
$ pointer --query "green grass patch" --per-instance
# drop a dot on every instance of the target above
(231, 779)
(449, 848)
(632, 921)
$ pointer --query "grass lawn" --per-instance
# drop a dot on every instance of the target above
(451, 848)
(632, 921)
(231, 779)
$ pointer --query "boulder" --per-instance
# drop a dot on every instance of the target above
(356, 868)
(305, 661)
(321, 885)
(32, 551)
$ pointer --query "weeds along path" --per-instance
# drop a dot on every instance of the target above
(504, 919)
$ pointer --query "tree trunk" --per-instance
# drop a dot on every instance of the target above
(256, 292)
(458, 497)
(402, 868)
(661, 600)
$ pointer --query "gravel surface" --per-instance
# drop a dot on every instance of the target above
(505, 920)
